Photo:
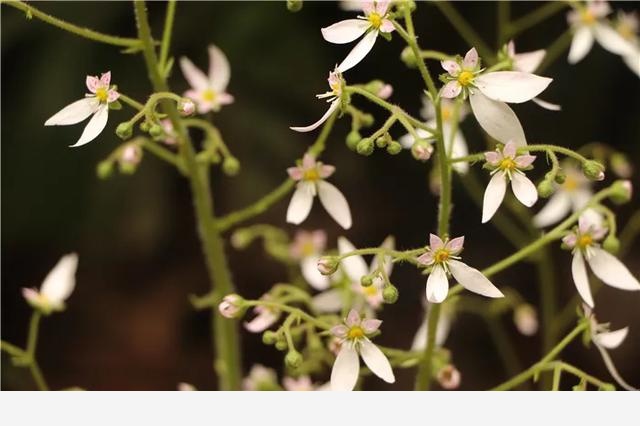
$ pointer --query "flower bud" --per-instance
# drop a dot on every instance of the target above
(241, 238)
(186, 107)
(281, 345)
(327, 265)
(449, 377)
(593, 170)
(367, 120)
(560, 177)
(144, 126)
(124, 130)
(130, 157)
(366, 280)
(408, 57)
(621, 191)
(545, 188)
(230, 166)
(394, 148)
(231, 306)
(293, 359)
(104, 169)
(294, 5)
(352, 139)
(525, 318)
(156, 131)
(365, 146)
(421, 150)
(620, 165)
(611, 244)
(269, 337)
(382, 141)
(390, 294)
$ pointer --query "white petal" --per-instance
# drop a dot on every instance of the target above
(345, 31)
(528, 62)
(420, 339)
(376, 361)
(328, 301)
(334, 203)
(497, 119)
(60, 282)
(511, 86)
(459, 148)
(388, 243)
(359, 51)
(324, 118)
(309, 266)
(633, 61)
(493, 196)
(300, 204)
(354, 266)
(580, 45)
(556, 208)
(408, 140)
(473, 280)
(437, 285)
(219, 70)
(524, 190)
(546, 105)
(611, 339)
(611, 40)
(193, 75)
(95, 126)
(346, 367)
(611, 271)
(580, 278)
(74, 113)
(261, 322)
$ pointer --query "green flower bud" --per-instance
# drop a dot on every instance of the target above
(241, 238)
(281, 345)
(408, 57)
(156, 131)
(269, 337)
(327, 265)
(365, 146)
(394, 148)
(293, 359)
(382, 141)
(620, 165)
(390, 294)
(124, 130)
(621, 191)
(545, 188)
(560, 177)
(611, 244)
(366, 280)
(367, 120)
(352, 139)
(294, 5)
(593, 170)
(104, 169)
(231, 166)
(144, 126)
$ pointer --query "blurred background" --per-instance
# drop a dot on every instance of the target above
(129, 325)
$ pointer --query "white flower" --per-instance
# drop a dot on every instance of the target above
(310, 176)
(488, 93)
(208, 92)
(507, 167)
(56, 287)
(604, 265)
(260, 378)
(443, 259)
(373, 23)
(95, 103)
(589, 23)
(332, 96)
(627, 25)
(265, 318)
(307, 247)
(346, 368)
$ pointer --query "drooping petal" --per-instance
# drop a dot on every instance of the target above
(334, 105)
(219, 70)
(359, 51)
(547, 105)
(61, 281)
(334, 203)
(497, 119)
(471, 59)
(451, 89)
(193, 75)
(580, 45)
(354, 266)
(346, 367)
(95, 126)
(300, 204)
(74, 113)
(345, 31)
(421, 336)
(580, 278)
(558, 206)
(611, 271)
(452, 67)
(261, 322)
(328, 301)
(493, 196)
(611, 339)
(611, 40)
(529, 61)
(376, 361)
(524, 190)
(312, 275)
(473, 280)
(511, 86)
(437, 285)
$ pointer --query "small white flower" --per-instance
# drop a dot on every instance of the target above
(507, 166)
(332, 96)
(583, 241)
(260, 378)
(265, 318)
(307, 247)
(525, 318)
(95, 103)
(443, 259)
(310, 176)
(208, 92)
(230, 307)
(354, 340)
(373, 23)
(628, 25)
(56, 287)
(449, 377)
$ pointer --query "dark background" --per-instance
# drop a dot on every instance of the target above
(128, 324)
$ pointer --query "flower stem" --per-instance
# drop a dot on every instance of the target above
(533, 18)
(556, 49)
(166, 35)
(32, 343)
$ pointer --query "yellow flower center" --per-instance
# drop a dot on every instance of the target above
(311, 175)
(375, 19)
(102, 94)
(447, 114)
(570, 184)
(465, 78)
(370, 290)
(585, 241)
(441, 256)
(587, 17)
(355, 333)
(209, 95)
(308, 249)
(507, 164)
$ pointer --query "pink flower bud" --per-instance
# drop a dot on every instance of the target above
(327, 265)
(131, 155)
(231, 306)
(449, 377)
(186, 107)
(385, 91)
(526, 319)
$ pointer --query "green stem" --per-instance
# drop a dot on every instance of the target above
(32, 343)
(410, 38)
(291, 310)
(533, 18)
(131, 102)
(12, 349)
(434, 54)
(164, 154)
(504, 12)
(166, 34)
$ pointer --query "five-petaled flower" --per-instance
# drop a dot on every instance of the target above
(443, 259)
(56, 287)
(584, 243)
(209, 92)
(374, 22)
(333, 96)
(310, 176)
(354, 340)
(95, 103)
(307, 247)
(507, 166)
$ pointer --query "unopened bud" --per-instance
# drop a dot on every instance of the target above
(327, 265)
(186, 107)
(230, 166)
(621, 165)
(241, 238)
(352, 139)
(366, 280)
(421, 150)
(367, 120)
(144, 126)
(390, 294)
(545, 188)
(449, 377)
(365, 146)
(394, 148)
(382, 141)
(231, 306)
(269, 337)
(408, 57)
(293, 359)
(525, 318)
(281, 345)
(104, 169)
(593, 170)
(621, 191)
(294, 5)
(130, 157)
(611, 244)
(156, 131)
(124, 130)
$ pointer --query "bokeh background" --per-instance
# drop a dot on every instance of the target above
(129, 324)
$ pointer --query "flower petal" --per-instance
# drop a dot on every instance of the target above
(580, 278)
(353, 318)
(458, 148)
(558, 206)
(345, 31)
(312, 275)
(340, 330)
(420, 338)
(334, 203)
(524, 190)
(435, 242)
(473, 280)
(497, 119)
(376, 361)
(92, 83)
(455, 245)
(547, 105)
(262, 321)
(529, 61)
(334, 105)
(354, 266)
(346, 367)
(359, 51)
(219, 70)
(95, 126)
(74, 113)
(328, 301)
(611, 40)
(437, 285)
(370, 325)
(524, 160)
(580, 45)
(511, 86)
(60, 282)
(196, 78)
(451, 89)
(300, 204)
(493, 196)
(471, 59)
(611, 271)
(611, 339)
(633, 61)
(452, 67)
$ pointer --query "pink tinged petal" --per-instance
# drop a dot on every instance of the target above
(558, 206)
(92, 83)
(94, 127)
(353, 318)
(426, 258)
(308, 161)
(511, 49)
(437, 285)
(546, 105)
(340, 331)
(492, 157)
(523, 161)
(611, 40)
(31, 295)
(261, 322)
(599, 8)
(326, 171)
(387, 26)
(371, 325)
(456, 245)
(382, 6)
(376, 361)
(611, 271)
(493, 196)
(295, 173)
(61, 281)
(346, 368)
(112, 96)
(300, 204)
(74, 113)
(509, 150)
(358, 53)
(611, 339)
(328, 301)
(334, 105)
(471, 59)
(312, 275)
(193, 75)
(451, 89)
(219, 70)
(473, 280)
(511, 86)
(345, 31)
(497, 119)
(580, 45)
(570, 240)
(435, 242)
(354, 266)
(105, 79)
(452, 67)
(528, 62)
(368, 6)
(580, 278)
(524, 190)
(334, 203)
